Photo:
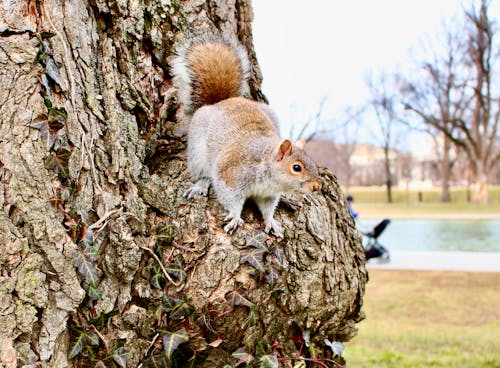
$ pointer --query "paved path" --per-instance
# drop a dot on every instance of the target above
(447, 261)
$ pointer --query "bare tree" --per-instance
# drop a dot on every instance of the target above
(454, 93)
(384, 102)
(102, 258)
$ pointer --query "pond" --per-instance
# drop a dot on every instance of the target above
(439, 235)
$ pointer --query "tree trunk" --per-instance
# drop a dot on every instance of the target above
(480, 184)
(445, 170)
(103, 261)
(388, 174)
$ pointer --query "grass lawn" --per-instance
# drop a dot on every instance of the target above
(371, 202)
(428, 319)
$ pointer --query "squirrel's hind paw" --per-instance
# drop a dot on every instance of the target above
(234, 222)
(275, 227)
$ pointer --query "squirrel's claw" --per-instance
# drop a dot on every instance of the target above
(234, 222)
(275, 227)
(196, 190)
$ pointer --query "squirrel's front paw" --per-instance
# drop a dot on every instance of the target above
(195, 191)
(234, 222)
(275, 227)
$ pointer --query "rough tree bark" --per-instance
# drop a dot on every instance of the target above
(101, 257)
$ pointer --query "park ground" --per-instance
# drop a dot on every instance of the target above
(427, 318)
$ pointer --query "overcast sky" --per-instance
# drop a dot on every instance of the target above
(311, 49)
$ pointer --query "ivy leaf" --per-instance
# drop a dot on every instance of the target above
(242, 356)
(181, 311)
(53, 71)
(169, 303)
(269, 361)
(46, 35)
(178, 309)
(120, 357)
(256, 239)
(92, 339)
(336, 346)
(177, 270)
(86, 268)
(93, 292)
(58, 161)
(254, 257)
(279, 257)
(77, 346)
(272, 275)
(57, 117)
(157, 280)
(172, 340)
(41, 123)
(100, 364)
(88, 240)
(237, 299)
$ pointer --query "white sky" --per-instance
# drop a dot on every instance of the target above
(311, 49)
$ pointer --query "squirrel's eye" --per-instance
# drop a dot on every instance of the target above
(297, 168)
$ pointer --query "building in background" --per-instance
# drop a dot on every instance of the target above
(362, 164)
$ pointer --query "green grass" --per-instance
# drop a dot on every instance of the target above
(378, 195)
(372, 202)
(428, 319)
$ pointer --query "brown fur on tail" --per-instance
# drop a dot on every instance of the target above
(209, 70)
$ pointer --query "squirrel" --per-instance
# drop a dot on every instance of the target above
(233, 142)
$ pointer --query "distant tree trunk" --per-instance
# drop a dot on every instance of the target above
(103, 262)
(445, 170)
(388, 174)
(481, 182)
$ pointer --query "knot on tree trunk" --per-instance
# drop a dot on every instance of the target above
(249, 287)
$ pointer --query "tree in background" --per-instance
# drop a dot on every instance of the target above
(384, 102)
(436, 93)
(454, 93)
(103, 262)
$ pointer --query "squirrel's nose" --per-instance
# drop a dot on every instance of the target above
(313, 185)
(316, 185)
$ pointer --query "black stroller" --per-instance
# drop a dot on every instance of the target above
(373, 249)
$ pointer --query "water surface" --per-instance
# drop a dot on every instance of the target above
(439, 235)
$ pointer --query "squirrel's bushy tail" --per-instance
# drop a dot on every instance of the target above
(210, 69)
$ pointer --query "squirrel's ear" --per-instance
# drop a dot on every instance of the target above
(285, 149)
(301, 143)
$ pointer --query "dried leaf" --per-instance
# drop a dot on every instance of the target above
(216, 343)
